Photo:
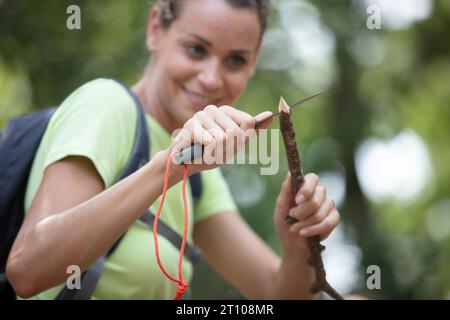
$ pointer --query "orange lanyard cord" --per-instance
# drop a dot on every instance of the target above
(182, 284)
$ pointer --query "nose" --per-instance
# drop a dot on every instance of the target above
(211, 77)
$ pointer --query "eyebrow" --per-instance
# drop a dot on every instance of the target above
(209, 44)
(200, 38)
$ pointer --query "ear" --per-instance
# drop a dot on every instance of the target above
(154, 29)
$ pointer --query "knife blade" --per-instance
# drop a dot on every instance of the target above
(296, 104)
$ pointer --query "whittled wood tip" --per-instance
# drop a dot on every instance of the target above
(283, 106)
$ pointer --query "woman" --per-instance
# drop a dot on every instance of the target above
(202, 54)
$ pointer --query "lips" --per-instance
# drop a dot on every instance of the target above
(197, 100)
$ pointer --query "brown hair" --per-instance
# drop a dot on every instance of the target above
(170, 10)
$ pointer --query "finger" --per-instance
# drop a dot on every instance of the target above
(182, 140)
(262, 116)
(236, 140)
(198, 133)
(242, 119)
(226, 144)
(311, 180)
(223, 120)
(319, 216)
(324, 227)
(309, 207)
(210, 125)
(245, 121)
(207, 120)
(325, 235)
(192, 131)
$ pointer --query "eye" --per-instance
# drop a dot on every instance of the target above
(237, 60)
(195, 50)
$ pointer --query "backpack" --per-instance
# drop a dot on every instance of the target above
(19, 143)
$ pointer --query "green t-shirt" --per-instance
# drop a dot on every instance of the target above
(98, 121)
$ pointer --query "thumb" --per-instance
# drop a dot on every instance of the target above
(261, 116)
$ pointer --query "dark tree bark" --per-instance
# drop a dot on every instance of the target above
(295, 167)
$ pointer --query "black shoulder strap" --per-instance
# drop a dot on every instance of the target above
(139, 157)
(196, 186)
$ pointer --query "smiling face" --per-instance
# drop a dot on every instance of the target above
(206, 56)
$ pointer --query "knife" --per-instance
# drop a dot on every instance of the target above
(187, 155)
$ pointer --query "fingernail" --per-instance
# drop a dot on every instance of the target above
(304, 233)
(300, 199)
(291, 214)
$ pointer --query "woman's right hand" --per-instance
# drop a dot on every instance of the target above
(223, 131)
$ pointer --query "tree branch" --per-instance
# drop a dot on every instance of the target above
(295, 167)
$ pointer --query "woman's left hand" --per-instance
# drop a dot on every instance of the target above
(312, 207)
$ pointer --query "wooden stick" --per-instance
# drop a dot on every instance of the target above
(295, 167)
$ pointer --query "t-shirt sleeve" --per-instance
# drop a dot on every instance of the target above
(216, 196)
(97, 121)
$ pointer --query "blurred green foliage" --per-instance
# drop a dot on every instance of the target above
(380, 83)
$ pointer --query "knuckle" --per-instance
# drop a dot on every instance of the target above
(308, 193)
(188, 123)
(241, 132)
(331, 222)
(232, 128)
(295, 212)
(328, 225)
(320, 218)
(249, 122)
(248, 116)
(320, 188)
(312, 176)
(196, 122)
(315, 218)
(182, 131)
(216, 132)
(211, 108)
(235, 131)
(329, 204)
(225, 107)
(200, 114)
(338, 216)
(315, 204)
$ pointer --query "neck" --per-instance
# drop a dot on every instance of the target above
(145, 89)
